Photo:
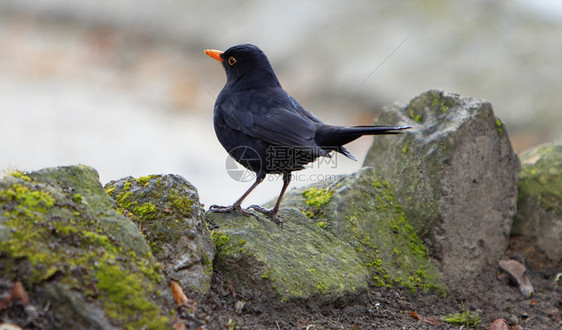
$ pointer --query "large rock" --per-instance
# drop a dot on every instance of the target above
(64, 239)
(538, 223)
(338, 238)
(270, 263)
(361, 210)
(167, 211)
(455, 174)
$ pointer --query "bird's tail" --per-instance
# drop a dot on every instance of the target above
(334, 137)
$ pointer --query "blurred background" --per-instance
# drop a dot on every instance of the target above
(123, 85)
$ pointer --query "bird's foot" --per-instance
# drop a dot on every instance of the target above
(227, 209)
(271, 213)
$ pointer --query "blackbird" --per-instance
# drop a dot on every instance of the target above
(265, 130)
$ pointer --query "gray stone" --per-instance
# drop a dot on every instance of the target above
(167, 210)
(63, 238)
(455, 174)
(338, 238)
(538, 224)
(361, 210)
(518, 275)
(271, 263)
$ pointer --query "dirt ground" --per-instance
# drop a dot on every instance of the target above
(491, 297)
(395, 308)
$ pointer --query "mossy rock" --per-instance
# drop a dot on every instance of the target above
(64, 239)
(271, 263)
(539, 208)
(455, 175)
(362, 212)
(166, 208)
(337, 240)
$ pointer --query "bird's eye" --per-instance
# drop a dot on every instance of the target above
(231, 60)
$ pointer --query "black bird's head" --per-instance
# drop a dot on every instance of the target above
(246, 67)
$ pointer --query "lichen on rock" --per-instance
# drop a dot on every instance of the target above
(363, 212)
(338, 239)
(538, 223)
(297, 261)
(62, 237)
(166, 208)
(455, 175)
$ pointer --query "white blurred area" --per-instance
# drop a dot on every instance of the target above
(122, 86)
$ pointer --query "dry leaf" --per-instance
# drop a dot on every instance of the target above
(518, 274)
(424, 319)
(499, 324)
(18, 292)
(179, 297)
(231, 287)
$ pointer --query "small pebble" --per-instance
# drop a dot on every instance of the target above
(31, 312)
(238, 307)
(512, 319)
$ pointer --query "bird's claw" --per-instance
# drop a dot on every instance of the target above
(227, 209)
(269, 212)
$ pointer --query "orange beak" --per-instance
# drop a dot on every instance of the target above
(216, 54)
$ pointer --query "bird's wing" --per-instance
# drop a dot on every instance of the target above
(272, 116)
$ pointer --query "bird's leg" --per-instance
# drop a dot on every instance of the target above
(273, 212)
(237, 205)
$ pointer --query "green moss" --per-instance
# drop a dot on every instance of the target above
(27, 198)
(317, 197)
(297, 261)
(540, 177)
(127, 185)
(146, 211)
(308, 213)
(466, 318)
(267, 274)
(405, 148)
(53, 232)
(143, 180)
(439, 103)
(321, 224)
(224, 246)
(219, 239)
(436, 100)
(65, 230)
(110, 190)
(125, 200)
(77, 198)
(322, 287)
(392, 248)
(205, 260)
(499, 125)
(123, 295)
(416, 117)
(19, 175)
(183, 204)
(159, 211)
